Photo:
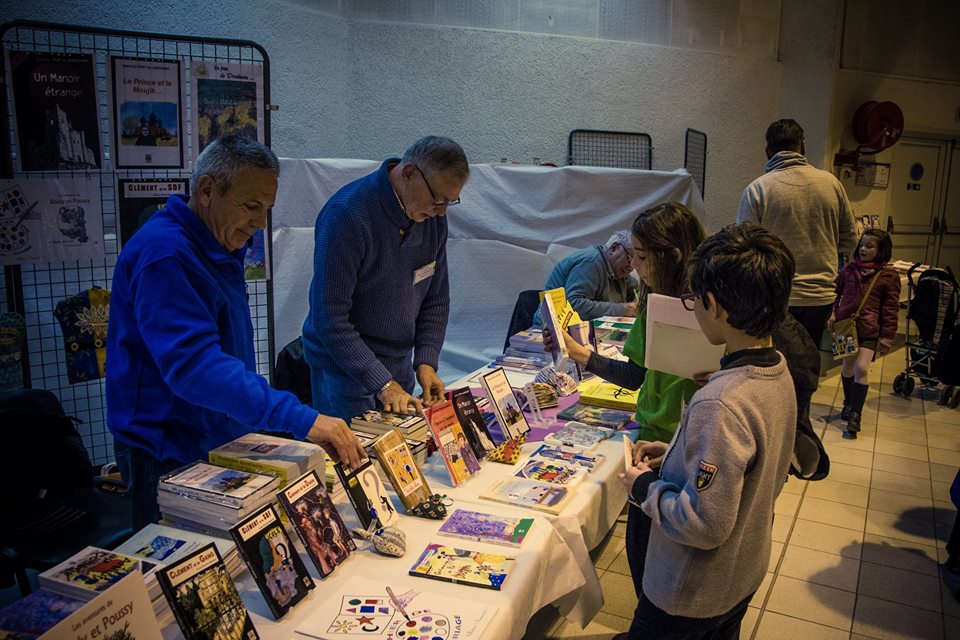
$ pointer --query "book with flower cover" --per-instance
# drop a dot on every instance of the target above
(486, 527)
(441, 562)
(451, 442)
(317, 522)
(204, 599)
(273, 561)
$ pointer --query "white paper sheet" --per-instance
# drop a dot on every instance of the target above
(675, 343)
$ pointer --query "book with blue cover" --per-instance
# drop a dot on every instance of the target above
(35, 614)
(588, 461)
(486, 527)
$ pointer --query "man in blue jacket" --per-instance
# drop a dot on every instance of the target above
(181, 373)
(379, 299)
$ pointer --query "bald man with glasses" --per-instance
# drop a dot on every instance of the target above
(380, 297)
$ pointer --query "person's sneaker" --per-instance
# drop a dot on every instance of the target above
(845, 412)
(849, 435)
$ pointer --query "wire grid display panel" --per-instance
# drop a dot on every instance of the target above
(44, 285)
(695, 157)
(620, 149)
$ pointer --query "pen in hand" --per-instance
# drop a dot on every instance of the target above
(396, 602)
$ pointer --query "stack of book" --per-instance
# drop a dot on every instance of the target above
(85, 575)
(210, 499)
(613, 329)
(270, 455)
(526, 343)
(412, 428)
(162, 545)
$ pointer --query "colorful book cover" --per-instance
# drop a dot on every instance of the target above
(596, 416)
(367, 495)
(599, 393)
(588, 461)
(217, 484)
(227, 98)
(273, 561)
(550, 471)
(204, 599)
(552, 323)
(35, 614)
(505, 405)
(472, 422)
(138, 199)
(486, 527)
(440, 562)
(147, 123)
(317, 522)
(394, 456)
(90, 572)
(56, 111)
(451, 441)
(522, 492)
(576, 435)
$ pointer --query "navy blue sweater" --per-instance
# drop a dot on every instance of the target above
(181, 370)
(363, 299)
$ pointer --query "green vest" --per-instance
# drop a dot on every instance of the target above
(662, 395)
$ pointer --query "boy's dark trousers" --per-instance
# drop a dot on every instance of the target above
(637, 537)
(651, 623)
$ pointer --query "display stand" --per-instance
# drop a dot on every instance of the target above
(33, 290)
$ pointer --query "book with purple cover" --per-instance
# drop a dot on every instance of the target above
(486, 527)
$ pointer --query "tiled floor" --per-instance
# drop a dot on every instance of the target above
(855, 556)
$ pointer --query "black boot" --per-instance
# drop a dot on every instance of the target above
(846, 383)
(858, 395)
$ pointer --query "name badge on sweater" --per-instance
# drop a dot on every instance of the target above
(424, 272)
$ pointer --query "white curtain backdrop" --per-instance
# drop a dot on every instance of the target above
(514, 223)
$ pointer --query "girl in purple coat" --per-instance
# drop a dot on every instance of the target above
(876, 324)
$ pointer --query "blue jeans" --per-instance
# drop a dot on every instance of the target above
(141, 472)
(337, 394)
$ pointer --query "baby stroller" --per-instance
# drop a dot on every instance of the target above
(932, 301)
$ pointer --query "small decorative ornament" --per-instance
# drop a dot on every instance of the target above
(389, 541)
(433, 508)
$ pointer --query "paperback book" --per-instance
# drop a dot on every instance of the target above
(163, 545)
(384, 421)
(218, 485)
(317, 522)
(596, 416)
(532, 494)
(551, 471)
(269, 455)
(588, 461)
(204, 599)
(139, 198)
(401, 469)
(441, 562)
(36, 614)
(122, 612)
(504, 402)
(598, 393)
(451, 442)
(367, 495)
(486, 527)
(472, 422)
(147, 124)
(273, 561)
(556, 326)
(91, 572)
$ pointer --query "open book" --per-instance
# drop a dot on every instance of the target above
(675, 343)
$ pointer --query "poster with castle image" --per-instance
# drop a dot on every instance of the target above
(147, 127)
(227, 98)
(55, 111)
(50, 220)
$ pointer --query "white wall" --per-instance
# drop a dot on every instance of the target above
(367, 90)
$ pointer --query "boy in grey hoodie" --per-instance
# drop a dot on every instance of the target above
(712, 504)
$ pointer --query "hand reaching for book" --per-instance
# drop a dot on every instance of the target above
(431, 384)
(578, 353)
(337, 439)
(395, 399)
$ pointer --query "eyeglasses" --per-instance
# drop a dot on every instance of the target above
(436, 203)
(689, 300)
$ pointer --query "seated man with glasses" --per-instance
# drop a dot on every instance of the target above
(379, 299)
(598, 281)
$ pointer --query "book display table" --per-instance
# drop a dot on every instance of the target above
(553, 565)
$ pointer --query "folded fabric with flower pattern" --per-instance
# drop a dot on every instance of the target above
(389, 541)
(432, 508)
(509, 451)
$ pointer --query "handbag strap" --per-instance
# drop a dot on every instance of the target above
(866, 294)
